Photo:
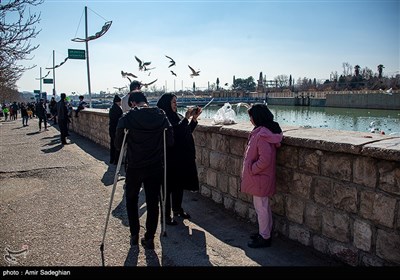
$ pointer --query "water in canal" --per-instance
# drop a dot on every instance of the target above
(364, 120)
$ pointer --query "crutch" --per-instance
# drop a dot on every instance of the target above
(112, 194)
(164, 190)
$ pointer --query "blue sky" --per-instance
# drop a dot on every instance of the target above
(220, 38)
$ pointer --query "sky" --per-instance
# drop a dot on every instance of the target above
(221, 39)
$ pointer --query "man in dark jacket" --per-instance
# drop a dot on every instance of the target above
(145, 144)
(63, 119)
(42, 114)
(114, 114)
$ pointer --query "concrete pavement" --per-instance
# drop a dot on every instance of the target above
(54, 200)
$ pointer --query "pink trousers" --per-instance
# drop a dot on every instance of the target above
(264, 216)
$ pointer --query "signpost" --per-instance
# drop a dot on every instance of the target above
(47, 81)
(36, 91)
(76, 54)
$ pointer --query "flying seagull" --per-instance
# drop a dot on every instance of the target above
(172, 61)
(194, 73)
(173, 73)
(142, 65)
(120, 88)
(124, 74)
(146, 85)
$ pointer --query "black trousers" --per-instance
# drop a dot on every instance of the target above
(151, 177)
(44, 120)
(63, 125)
(114, 153)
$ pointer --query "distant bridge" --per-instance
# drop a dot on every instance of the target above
(201, 101)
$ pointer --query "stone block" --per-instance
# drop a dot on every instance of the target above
(280, 225)
(216, 196)
(241, 208)
(295, 209)
(287, 156)
(299, 234)
(344, 252)
(301, 185)
(344, 197)
(211, 178)
(336, 226)
(389, 177)
(313, 217)
(237, 146)
(222, 181)
(252, 216)
(378, 207)
(362, 235)
(309, 160)
(336, 166)
(284, 178)
(199, 138)
(322, 191)
(220, 143)
(233, 186)
(229, 203)
(371, 260)
(320, 244)
(365, 171)
(278, 204)
(205, 191)
(218, 161)
(233, 165)
(388, 246)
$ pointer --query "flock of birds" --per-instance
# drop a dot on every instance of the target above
(145, 67)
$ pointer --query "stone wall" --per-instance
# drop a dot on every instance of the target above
(338, 191)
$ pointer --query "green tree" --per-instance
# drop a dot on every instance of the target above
(217, 83)
(380, 70)
(244, 84)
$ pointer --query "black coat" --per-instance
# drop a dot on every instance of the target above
(145, 138)
(181, 157)
(114, 114)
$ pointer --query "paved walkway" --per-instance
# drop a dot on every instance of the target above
(54, 200)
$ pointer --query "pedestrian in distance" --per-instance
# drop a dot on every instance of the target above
(63, 118)
(145, 151)
(259, 168)
(181, 157)
(41, 113)
(114, 114)
(81, 105)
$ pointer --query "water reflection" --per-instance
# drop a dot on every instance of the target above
(325, 117)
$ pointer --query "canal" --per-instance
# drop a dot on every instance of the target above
(365, 120)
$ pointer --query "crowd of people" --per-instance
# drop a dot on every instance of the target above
(149, 130)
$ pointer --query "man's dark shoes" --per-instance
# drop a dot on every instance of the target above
(259, 242)
(182, 214)
(134, 240)
(147, 243)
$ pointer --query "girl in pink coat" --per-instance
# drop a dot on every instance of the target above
(258, 173)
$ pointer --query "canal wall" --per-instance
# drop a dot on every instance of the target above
(341, 99)
(337, 191)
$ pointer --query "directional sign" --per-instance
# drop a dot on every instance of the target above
(76, 54)
(36, 91)
(47, 81)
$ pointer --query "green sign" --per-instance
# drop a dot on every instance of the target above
(76, 54)
(47, 81)
(36, 91)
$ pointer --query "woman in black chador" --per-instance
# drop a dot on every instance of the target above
(181, 157)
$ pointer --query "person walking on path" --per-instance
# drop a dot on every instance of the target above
(63, 119)
(145, 151)
(114, 114)
(42, 114)
(181, 157)
(259, 167)
(134, 86)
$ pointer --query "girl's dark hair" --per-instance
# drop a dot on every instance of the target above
(164, 103)
(262, 116)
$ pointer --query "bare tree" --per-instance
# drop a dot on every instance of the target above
(15, 44)
(347, 68)
(282, 80)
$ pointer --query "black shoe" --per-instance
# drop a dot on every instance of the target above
(171, 222)
(260, 242)
(134, 240)
(147, 243)
(182, 214)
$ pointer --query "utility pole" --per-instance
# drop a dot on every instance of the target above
(87, 57)
(54, 74)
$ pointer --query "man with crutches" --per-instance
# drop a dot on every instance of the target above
(145, 152)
